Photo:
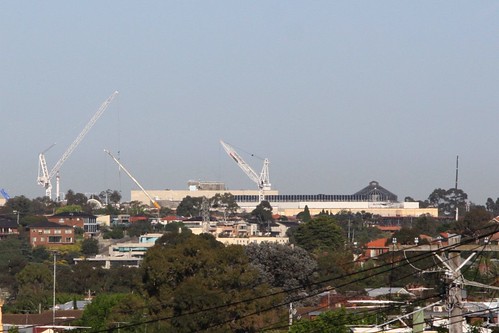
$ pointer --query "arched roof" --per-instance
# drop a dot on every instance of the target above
(375, 192)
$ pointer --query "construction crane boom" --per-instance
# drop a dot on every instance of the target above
(155, 204)
(262, 180)
(44, 176)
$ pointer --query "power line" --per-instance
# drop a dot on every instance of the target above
(424, 255)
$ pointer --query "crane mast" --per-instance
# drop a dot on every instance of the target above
(155, 204)
(262, 180)
(44, 176)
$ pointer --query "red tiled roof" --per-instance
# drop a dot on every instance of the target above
(389, 228)
(377, 243)
(138, 218)
(171, 218)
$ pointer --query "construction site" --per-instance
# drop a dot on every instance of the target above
(373, 199)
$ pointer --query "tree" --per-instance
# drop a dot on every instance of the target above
(14, 254)
(492, 206)
(107, 311)
(139, 228)
(321, 233)
(225, 201)
(69, 209)
(108, 196)
(282, 266)
(263, 214)
(137, 208)
(186, 273)
(474, 223)
(76, 198)
(20, 204)
(305, 215)
(35, 285)
(406, 236)
(190, 206)
(337, 321)
(89, 247)
(447, 200)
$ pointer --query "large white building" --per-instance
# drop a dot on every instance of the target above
(372, 199)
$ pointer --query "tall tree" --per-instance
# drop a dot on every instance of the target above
(305, 215)
(447, 200)
(321, 233)
(190, 206)
(282, 266)
(226, 202)
(186, 273)
(263, 214)
(35, 286)
(476, 222)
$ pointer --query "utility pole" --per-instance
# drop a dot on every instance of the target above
(454, 282)
(53, 293)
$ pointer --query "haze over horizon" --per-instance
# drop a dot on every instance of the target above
(335, 94)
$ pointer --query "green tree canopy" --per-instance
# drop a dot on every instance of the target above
(35, 287)
(190, 206)
(110, 311)
(474, 223)
(225, 202)
(282, 266)
(90, 247)
(337, 321)
(186, 273)
(447, 200)
(320, 234)
(263, 213)
(305, 215)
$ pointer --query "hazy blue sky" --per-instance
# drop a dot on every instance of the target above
(334, 93)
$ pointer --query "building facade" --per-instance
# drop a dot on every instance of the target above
(46, 233)
(373, 199)
(87, 222)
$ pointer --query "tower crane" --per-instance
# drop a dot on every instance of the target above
(155, 204)
(262, 180)
(44, 176)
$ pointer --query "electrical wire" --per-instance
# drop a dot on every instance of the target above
(314, 294)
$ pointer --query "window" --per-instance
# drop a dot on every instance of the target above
(42, 239)
(55, 239)
(46, 231)
(34, 239)
(68, 231)
(69, 240)
(57, 231)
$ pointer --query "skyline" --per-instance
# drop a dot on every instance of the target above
(335, 95)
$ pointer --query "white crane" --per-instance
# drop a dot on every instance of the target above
(155, 204)
(262, 180)
(44, 176)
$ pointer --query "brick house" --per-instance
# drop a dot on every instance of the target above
(8, 227)
(46, 233)
(375, 248)
(87, 222)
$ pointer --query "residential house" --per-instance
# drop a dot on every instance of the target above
(41, 322)
(8, 227)
(375, 248)
(387, 291)
(85, 221)
(46, 233)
